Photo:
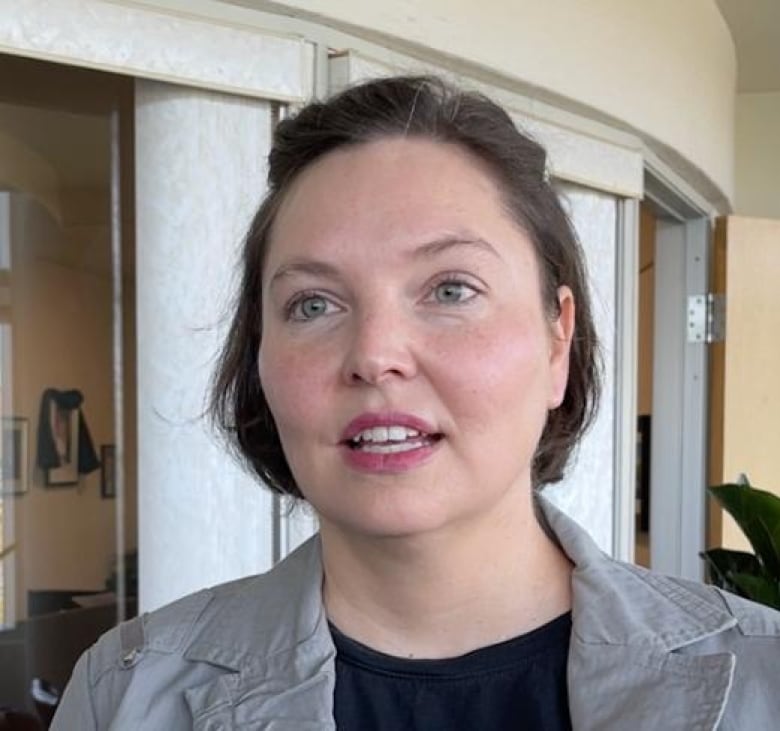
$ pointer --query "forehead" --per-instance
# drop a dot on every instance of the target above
(380, 196)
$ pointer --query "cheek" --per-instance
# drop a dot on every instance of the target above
(291, 382)
(500, 369)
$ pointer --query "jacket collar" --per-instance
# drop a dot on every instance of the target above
(627, 624)
(279, 648)
(623, 671)
(622, 604)
(266, 615)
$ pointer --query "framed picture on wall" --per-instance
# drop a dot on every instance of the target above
(14, 461)
(65, 429)
(108, 470)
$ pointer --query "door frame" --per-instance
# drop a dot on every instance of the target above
(626, 370)
(678, 473)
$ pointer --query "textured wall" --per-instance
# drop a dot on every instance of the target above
(587, 492)
(122, 37)
(200, 171)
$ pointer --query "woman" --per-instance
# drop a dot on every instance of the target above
(413, 354)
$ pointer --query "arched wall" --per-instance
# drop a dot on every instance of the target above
(664, 68)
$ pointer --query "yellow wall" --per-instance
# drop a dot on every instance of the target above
(54, 143)
(752, 357)
(62, 338)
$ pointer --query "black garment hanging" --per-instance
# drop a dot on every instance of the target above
(48, 455)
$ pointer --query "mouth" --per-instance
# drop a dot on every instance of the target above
(391, 439)
(389, 433)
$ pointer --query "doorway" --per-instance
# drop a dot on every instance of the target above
(672, 375)
(644, 410)
(67, 518)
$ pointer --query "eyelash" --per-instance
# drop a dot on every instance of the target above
(299, 299)
(453, 278)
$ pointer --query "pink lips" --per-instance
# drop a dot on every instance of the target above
(385, 418)
(388, 463)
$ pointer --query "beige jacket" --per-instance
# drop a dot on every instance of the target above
(647, 652)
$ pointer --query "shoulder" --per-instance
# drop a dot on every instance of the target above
(694, 618)
(752, 619)
(164, 631)
(620, 603)
(149, 661)
(244, 613)
(150, 646)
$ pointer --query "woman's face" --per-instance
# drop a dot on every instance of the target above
(406, 354)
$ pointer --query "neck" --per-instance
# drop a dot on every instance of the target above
(449, 592)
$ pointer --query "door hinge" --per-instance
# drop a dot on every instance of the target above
(706, 318)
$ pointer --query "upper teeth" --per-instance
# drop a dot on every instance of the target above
(385, 434)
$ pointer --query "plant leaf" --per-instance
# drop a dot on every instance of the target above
(774, 536)
(724, 563)
(758, 515)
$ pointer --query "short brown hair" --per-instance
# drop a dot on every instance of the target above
(415, 106)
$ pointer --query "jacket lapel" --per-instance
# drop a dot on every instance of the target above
(274, 700)
(626, 687)
(280, 660)
(631, 659)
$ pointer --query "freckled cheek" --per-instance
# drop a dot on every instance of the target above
(491, 369)
(293, 383)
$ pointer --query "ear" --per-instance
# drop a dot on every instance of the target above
(561, 334)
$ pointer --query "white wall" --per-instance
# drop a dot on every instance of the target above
(758, 155)
(587, 492)
(663, 67)
(200, 173)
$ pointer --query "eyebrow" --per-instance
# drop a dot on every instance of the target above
(314, 267)
(430, 249)
(445, 243)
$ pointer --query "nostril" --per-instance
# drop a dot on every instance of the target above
(357, 378)
(376, 372)
(377, 355)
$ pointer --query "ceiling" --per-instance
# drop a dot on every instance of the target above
(76, 146)
(755, 28)
(61, 115)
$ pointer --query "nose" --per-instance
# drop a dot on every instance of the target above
(380, 349)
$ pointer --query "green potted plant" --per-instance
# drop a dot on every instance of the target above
(755, 575)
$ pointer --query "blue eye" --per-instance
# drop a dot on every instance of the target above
(453, 292)
(309, 307)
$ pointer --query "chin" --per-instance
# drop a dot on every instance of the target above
(385, 519)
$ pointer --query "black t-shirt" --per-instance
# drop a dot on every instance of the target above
(514, 685)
